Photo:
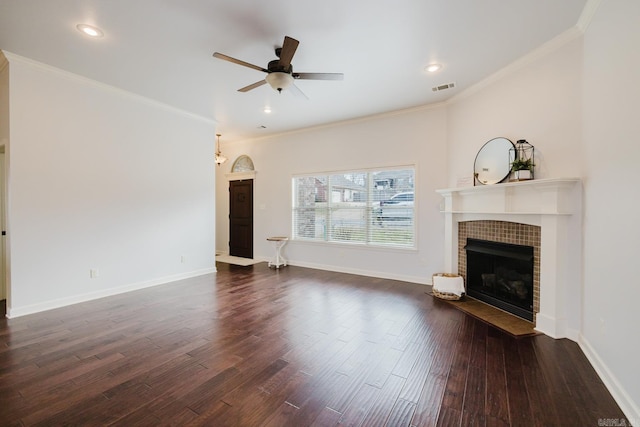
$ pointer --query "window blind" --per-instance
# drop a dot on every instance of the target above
(360, 207)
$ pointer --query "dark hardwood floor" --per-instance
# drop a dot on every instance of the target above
(250, 346)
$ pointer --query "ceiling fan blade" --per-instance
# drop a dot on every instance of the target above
(252, 86)
(295, 90)
(237, 61)
(288, 50)
(318, 76)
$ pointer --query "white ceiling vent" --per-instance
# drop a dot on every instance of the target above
(443, 87)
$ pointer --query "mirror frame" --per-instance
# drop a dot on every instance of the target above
(489, 148)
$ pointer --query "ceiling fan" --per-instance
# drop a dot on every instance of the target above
(280, 73)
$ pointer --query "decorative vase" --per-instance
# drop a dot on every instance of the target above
(522, 175)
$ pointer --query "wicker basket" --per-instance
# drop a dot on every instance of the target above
(444, 295)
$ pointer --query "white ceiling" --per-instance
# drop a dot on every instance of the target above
(162, 49)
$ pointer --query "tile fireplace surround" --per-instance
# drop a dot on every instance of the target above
(553, 205)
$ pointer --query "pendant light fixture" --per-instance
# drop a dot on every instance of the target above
(220, 159)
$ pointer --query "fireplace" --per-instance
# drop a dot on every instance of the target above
(501, 274)
(504, 213)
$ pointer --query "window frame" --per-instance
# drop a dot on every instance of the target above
(368, 209)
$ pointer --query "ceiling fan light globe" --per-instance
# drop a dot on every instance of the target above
(279, 80)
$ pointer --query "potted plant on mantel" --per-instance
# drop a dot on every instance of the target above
(522, 169)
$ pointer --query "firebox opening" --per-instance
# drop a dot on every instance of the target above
(501, 274)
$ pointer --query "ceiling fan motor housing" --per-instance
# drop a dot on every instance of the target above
(275, 67)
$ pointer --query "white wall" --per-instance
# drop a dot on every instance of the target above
(102, 179)
(4, 142)
(415, 137)
(611, 228)
(538, 100)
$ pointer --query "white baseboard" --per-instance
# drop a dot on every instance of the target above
(620, 395)
(555, 327)
(573, 335)
(14, 312)
(367, 273)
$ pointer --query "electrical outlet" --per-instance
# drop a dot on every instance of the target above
(93, 273)
(183, 259)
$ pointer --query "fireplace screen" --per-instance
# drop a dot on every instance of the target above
(501, 274)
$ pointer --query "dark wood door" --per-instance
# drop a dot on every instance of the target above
(241, 218)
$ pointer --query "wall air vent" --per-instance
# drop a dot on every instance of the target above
(443, 87)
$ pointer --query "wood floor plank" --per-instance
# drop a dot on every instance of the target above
(543, 409)
(418, 375)
(282, 416)
(576, 372)
(449, 417)
(251, 346)
(386, 359)
(497, 398)
(327, 418)
(455, 388)
(37, 384)
(383, 405)
(428, 406)
(258, 405)
(234, 397)
(401, 413)
(356, 379)
(358, 408)
(473, 408)
(519, 402)
(209, 393)
(320, 381)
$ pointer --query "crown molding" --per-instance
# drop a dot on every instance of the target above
(551, 46)
(12, 57)
(587, 14)
(4, 62)
(345, 122)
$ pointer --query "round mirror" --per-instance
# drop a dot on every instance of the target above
(492, 161)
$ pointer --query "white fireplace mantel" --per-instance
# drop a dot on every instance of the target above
(555, 206)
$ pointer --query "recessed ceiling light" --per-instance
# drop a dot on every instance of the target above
(90, 30)
(432, 68)
(267, 109)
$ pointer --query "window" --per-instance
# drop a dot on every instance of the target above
(362, 207)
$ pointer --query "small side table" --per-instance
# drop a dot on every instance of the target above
(280, 241)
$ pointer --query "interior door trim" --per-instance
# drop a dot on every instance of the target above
(240, 176)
